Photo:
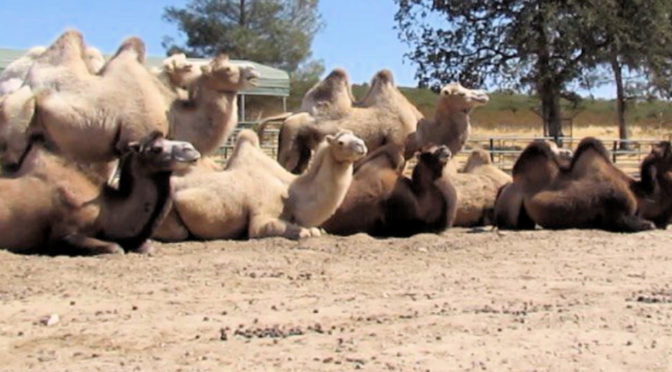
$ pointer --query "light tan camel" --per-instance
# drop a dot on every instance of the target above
(383, 116)
(262, 199)
(208, 118)
(178, 74)
(590, 193)
(477, 185)
(53, 208)
(90, 118)
(383, 202)
(14, 75)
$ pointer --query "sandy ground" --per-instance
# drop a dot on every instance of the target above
(541, 300)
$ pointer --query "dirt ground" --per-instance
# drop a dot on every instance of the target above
(539, 300)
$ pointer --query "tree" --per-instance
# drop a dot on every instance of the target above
(542, 44)
(274, 32)
(638, 34)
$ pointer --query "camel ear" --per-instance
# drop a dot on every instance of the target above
(330, 139)
(206, 69)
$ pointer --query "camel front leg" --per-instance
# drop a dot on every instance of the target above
(76, 244)
(263, 227)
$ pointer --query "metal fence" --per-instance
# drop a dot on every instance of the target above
(504, 150)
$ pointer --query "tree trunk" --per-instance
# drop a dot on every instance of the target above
(243, 15)
(620, 103)
(550, 110)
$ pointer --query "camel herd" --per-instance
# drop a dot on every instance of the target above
(99, 156)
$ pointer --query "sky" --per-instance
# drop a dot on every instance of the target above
(359, 35)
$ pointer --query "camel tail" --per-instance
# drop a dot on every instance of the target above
(261, 128)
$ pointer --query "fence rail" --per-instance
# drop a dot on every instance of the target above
(504, 150)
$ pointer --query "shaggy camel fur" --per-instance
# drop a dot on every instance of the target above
(590, 193)
(13, 76)
(382, 202)
(451, 125)
(208, 118)
(654, 191)
(477, 187)
(16, 112)
(262, 199)
(383, 116)
(91, 118)
(53, 208)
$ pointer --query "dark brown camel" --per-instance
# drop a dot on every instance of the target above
(54, 208)
(382, 202)
(590, 193)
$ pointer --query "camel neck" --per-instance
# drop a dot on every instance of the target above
(422, 179)
(130, 213)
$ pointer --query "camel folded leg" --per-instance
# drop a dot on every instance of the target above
(172, 229)
(76, 244)
(630, 223)
(263, 227)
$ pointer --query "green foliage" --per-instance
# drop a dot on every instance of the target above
(274, 32)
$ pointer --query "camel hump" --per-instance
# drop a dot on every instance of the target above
(70, 44)
(338, 74)
(585, 146)
(385, 76)
(537, 150)
(247, 135)
(133, 45)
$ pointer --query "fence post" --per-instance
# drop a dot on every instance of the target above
(613, 151)
(492, 147)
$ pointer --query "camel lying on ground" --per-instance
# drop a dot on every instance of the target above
(262, 199)
(382, 202)
(477, 186)
(451, 125)
(54, 208)
(590, 193)
(383, 116)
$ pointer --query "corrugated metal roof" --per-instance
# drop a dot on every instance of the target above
(272, 81)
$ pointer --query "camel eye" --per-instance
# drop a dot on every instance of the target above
(341, 143)
(156, 150)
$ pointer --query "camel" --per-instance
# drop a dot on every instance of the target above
(178, 74)
(451, 125)
(53, 208)
(383, 116)
(14, 75)
(208, 118)
(262, 199)
(508, 212)
(590, 193)
(477, 185)
(91, 118)
(654, 190)
(382, 202)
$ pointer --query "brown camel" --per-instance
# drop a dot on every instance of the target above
(590, 193)
(509, 213)
(451, 125)
(262, 199)
(477, 185)
(382, 202)
(53, 208)
(383, 116)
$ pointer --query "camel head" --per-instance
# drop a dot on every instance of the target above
(331, 95)
(477, 158)
(224, 76)
(536, 167)
(433, 159)
(662, 152)
(345, 146)
(95, 60)
(16, 112)
(455, 96)
(180, 71)
(158, 154)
